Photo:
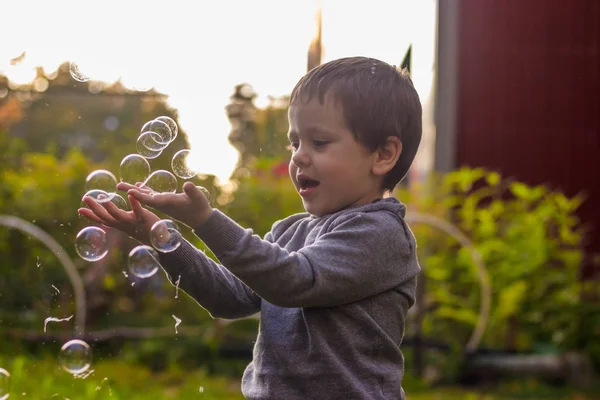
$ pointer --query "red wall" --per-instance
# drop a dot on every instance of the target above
(529, 94)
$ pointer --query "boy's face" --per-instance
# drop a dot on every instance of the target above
(330, 169)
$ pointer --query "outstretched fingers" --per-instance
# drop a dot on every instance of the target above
(89, 214)
(142, 197)
(138, 210)
(125, 187)
(99, 211)
(115, 212)
(193, 192)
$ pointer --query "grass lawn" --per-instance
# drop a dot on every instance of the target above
(114, 379)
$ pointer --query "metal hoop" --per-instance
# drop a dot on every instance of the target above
(61, 254)
(486, 292)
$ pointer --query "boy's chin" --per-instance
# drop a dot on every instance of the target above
(315, 210)
(312, 210)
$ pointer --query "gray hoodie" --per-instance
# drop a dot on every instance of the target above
(333, 293)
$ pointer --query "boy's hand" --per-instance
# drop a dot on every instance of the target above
(190, 207)
(136, 223)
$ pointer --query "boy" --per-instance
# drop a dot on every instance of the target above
(334, 284)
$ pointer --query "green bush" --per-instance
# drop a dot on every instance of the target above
(531, 242)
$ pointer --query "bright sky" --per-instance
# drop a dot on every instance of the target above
(195, 52)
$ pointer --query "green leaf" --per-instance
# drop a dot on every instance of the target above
(511, 298)
(520, 190)
(493, 178)
(462, 315)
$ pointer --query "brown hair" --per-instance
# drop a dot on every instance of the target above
(378, 100)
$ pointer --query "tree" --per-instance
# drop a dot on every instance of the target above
(257, 133)
(54, 132)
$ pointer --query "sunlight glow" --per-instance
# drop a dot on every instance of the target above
(195, 52)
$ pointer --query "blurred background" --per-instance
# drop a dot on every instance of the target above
(502, 197)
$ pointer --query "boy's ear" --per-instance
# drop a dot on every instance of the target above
(387, 156)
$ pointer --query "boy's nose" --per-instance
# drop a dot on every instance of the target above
(301, 157)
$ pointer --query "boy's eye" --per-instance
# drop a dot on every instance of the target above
(319, 143)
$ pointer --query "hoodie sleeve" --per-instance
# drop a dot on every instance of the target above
(362, 255)
(209, 283)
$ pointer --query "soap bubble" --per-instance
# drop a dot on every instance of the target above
(164, 236)
(144, 151)
(146, 126)
(149, 140)
(161, 131)
(134, 168)
(205, 192)
(91, 243)
(100, 196)
(172, 125)
(119, 201)
(143, 261)
(161, 181)
(76, 73)
(4, 384)
(101, 179)
(183, 164)
(75, 356)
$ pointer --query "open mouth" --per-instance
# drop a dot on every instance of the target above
(306, 183)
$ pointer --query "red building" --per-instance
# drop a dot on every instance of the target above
(518, 92)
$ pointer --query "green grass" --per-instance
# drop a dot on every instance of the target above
(43, 379)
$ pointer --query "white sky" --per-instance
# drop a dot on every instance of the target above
(196, 51)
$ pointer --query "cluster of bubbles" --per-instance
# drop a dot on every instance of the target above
(91, 243)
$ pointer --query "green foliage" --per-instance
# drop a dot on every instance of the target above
(51, 141)
(257, 132)
(264, 194)
(531, 242)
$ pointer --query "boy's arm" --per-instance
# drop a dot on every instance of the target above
(209, 283)
(365, 254)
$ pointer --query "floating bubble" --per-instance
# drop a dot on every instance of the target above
(76, 73)
(98, 195)
(161, 181)
(91, 243)
(161, 132)
(183, 164)
(75, 356)
(134, 168)
(164, 236)
(144, 151)
(4, 384)
(146, 126)
(148, 139)
(119, 201)
(101, 179)
(205, 192)
(172, 125)
(143, 261)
